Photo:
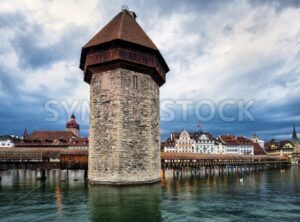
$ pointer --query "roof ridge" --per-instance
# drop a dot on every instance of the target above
(121, 24)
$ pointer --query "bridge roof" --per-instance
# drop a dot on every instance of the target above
(194, 156)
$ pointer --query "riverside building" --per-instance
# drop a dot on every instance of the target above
(205, 143)
(8, 140)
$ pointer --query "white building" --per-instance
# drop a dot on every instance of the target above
(169, 147)
(8, 141)
(205, 144)
(255, 139)
(185, 144)
(199, 142)
(236, 145)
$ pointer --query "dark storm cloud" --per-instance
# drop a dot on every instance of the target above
(14, 120)
(270, 121)
(39, 56)
(34, 51)
(7, 82)
(25, 109)
(31, 39)
(17, 115)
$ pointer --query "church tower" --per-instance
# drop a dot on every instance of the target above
(73, 126)
(294, 135)
(125, 71)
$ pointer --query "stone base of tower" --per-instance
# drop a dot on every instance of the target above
(122, 182)
(124, 142)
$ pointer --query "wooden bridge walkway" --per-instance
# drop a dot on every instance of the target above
(209, 163)
(51, 158)
(42, 158)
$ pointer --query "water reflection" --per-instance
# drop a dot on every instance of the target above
(267, 195)
(137, 203)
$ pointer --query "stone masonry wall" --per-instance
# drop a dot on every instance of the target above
(124, 143)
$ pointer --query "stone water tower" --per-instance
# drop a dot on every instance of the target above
(125, 70)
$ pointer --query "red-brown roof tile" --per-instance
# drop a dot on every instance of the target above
(122, 27)
(51, 135)
(258, 150)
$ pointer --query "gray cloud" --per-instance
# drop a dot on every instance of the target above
(28, 43)
(278, 4)
(215, 49)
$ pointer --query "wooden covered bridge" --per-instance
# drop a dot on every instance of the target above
(66, 159)
(43, 158)
(208, 163)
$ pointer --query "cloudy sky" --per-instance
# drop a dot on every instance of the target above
(235, 65)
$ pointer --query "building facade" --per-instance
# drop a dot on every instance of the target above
(280, 148)
(235, 145)
(185, 144)
(8, 141)
(284, 147)
(204, 143)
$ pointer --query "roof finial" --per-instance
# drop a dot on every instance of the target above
(132, 13)
(124, 7)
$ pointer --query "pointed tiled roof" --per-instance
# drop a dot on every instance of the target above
(72, 123)
(122, 27)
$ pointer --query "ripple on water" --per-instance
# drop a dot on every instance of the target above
(264, 196)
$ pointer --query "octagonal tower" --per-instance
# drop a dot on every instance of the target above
(125, 70)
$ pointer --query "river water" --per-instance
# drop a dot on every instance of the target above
(272, 195)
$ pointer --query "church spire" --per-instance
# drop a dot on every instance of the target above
(294, 137)
(73, 126)
(25, 134)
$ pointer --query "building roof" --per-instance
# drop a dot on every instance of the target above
(79, 142)
(196, 135)
(198, 156)
(168, 143)
(258, 150)
(9, 137)
(122, 27)
(193, 135)
(47, 139)
(51, 135)
(234, 140)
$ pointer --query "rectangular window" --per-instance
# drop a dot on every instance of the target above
(135, 82)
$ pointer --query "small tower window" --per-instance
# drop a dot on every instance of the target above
(135, 82)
